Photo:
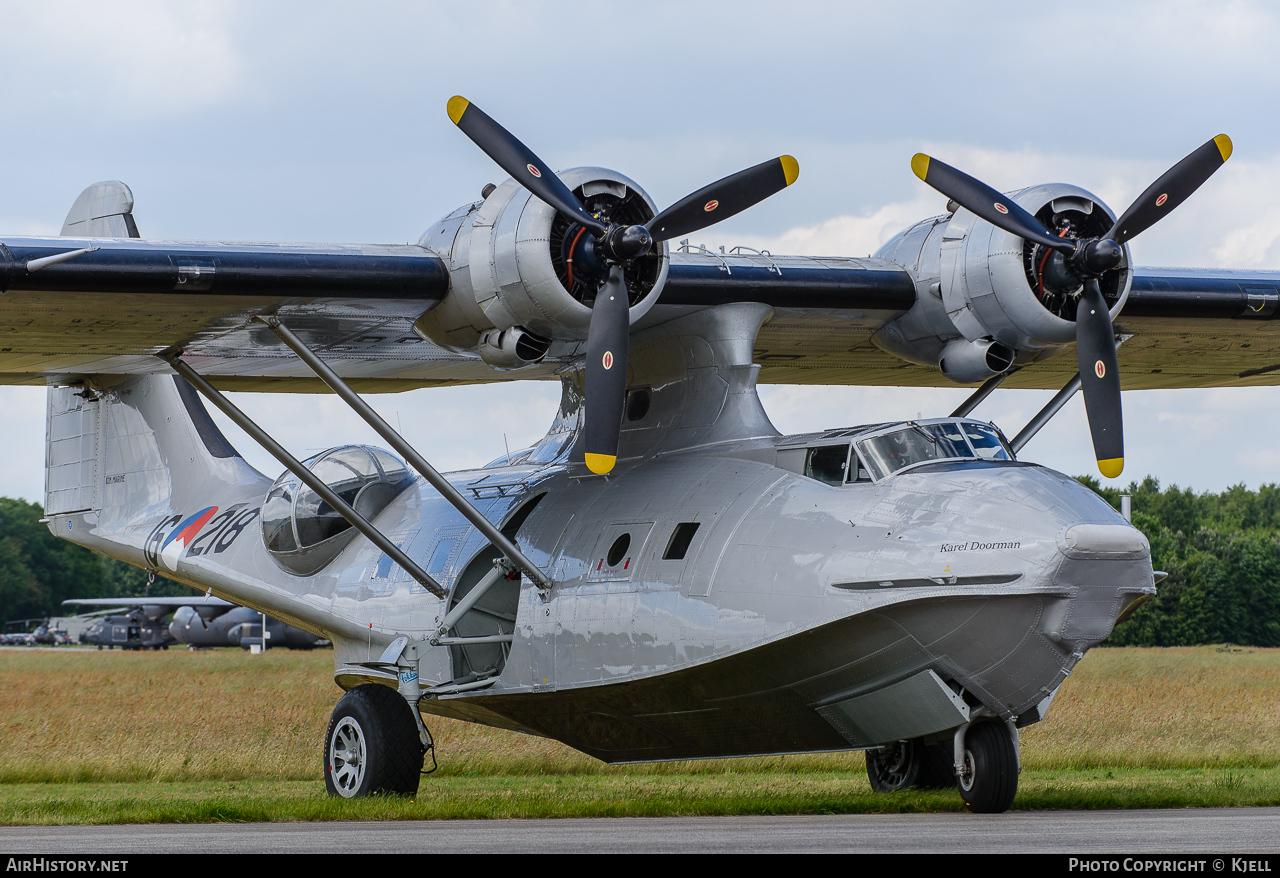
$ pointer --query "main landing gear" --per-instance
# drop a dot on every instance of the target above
(986, 754)
(907, 764)
(372, 745)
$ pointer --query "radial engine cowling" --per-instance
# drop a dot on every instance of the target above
(515, 264)
(985, 297)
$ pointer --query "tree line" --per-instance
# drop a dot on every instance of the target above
(1222, 554)
(38, 571)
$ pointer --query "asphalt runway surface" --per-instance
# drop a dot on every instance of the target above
(1207, 831)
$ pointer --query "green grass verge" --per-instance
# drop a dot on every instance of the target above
(105, 737)
(596, 795)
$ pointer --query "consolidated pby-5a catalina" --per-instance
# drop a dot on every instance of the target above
(662, 576)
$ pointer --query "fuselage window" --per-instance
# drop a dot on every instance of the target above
(618, 550)
(301, 530)
(681, 537)
(827, 464)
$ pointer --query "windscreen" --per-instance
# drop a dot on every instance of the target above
(918, 443)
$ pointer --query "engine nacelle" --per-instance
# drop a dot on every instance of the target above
(985, 296)
(513, 275)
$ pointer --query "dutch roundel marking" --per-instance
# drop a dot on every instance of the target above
(608, 359)
(1099, 369)
(711, 205)
(1000, 207)
(1162, 199)
(533, 170)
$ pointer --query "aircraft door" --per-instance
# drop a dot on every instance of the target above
(492, 619)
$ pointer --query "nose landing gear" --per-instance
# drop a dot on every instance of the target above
(985, 766)
(988, 768)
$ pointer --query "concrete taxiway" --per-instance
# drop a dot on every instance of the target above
(1201, 831)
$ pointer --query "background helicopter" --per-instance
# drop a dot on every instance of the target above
(197, 622)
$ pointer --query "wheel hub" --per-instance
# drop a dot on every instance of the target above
(347, 757)
(893, 762)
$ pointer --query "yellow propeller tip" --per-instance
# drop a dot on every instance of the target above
(1111, 468)
(457, 106)
(601, 464)
(920, 164)
(790, 168)
(1224, 145)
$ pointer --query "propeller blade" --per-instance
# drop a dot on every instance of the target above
(987, 203)
(519, 161)
(724, 198)
(1172, 189)
(607, 340)
(1100, 379)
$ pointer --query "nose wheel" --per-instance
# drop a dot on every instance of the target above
(988, 775)
(372, 745)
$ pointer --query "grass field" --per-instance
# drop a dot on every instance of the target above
(223, 735)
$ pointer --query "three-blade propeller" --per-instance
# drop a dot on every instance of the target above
(1087, 259)
(617, 245)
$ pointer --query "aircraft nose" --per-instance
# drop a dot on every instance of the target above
(1104, 573)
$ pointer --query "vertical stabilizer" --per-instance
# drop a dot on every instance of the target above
(133, 450)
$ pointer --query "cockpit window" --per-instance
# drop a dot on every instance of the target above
(919, 443)
(828, 463)
(986, 442)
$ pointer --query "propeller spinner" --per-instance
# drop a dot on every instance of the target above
(1086, 259)
(617, 245)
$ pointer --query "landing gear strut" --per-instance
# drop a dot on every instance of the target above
(372, 745)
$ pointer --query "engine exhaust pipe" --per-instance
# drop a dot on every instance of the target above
(967, 362)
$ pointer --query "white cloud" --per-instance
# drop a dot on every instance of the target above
(847, 235)
(148, 56)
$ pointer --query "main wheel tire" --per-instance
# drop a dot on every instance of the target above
(990, 777)
(372, 745)
(894, 766)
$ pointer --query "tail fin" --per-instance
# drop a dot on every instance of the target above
(130, 451)
(123, 452)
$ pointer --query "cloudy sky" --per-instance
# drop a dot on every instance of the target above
(326, 122)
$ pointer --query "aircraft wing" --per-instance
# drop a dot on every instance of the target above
(1182, 328)
(121, 302)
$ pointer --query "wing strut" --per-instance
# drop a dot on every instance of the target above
(515, 558)
(987, 388)
(291, 463)
(1070, 389)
